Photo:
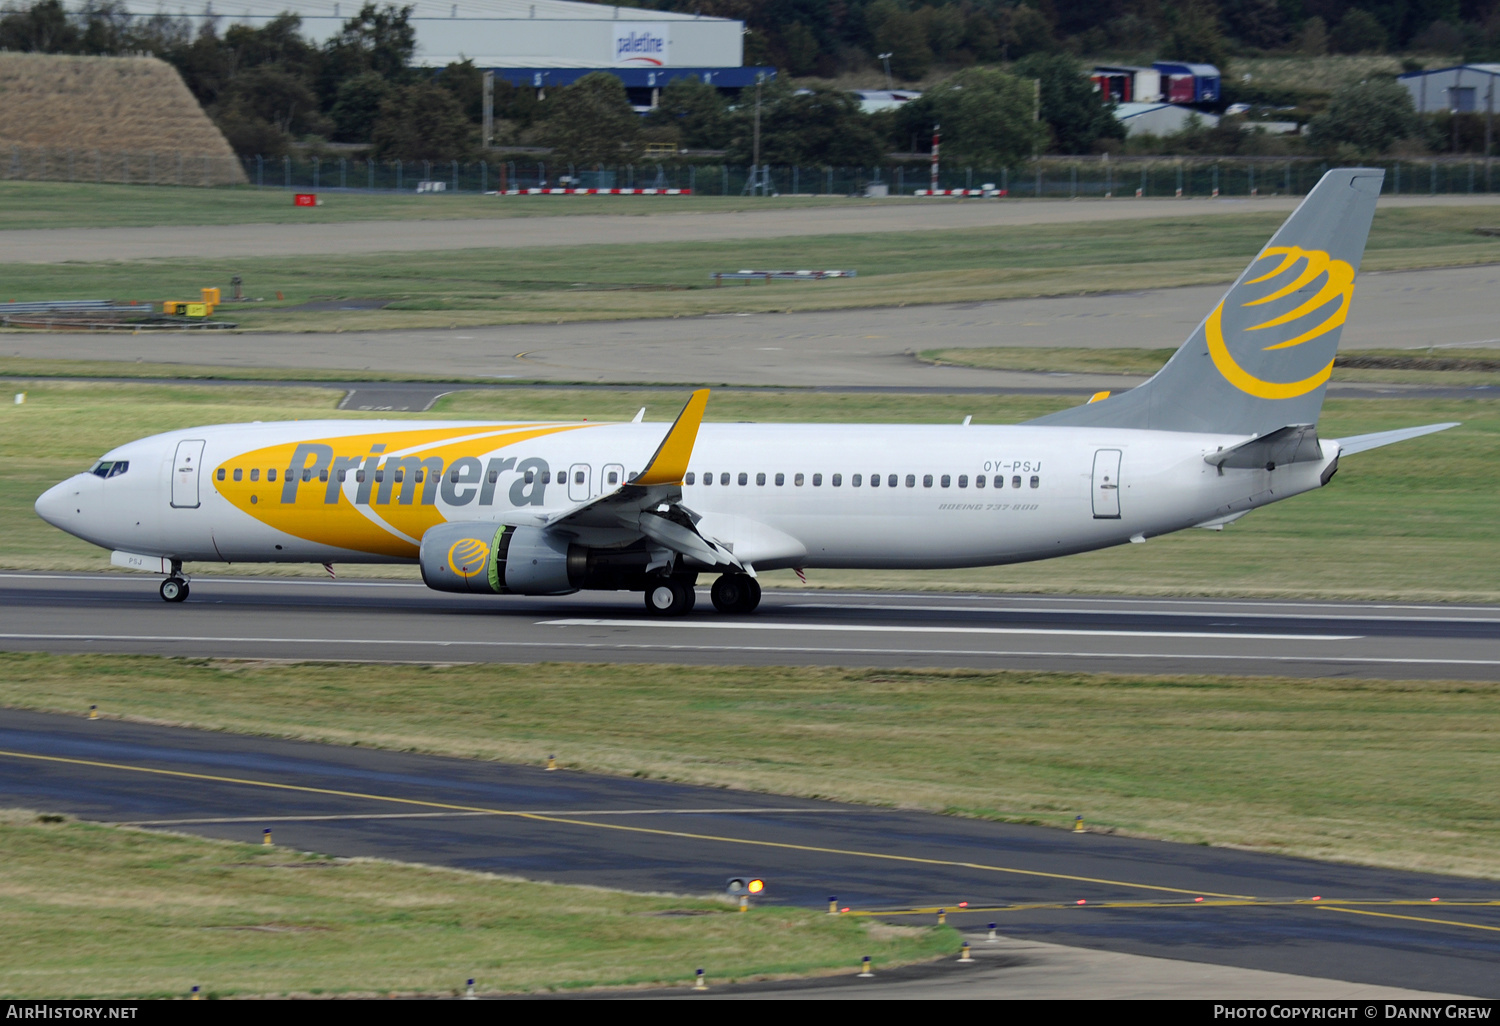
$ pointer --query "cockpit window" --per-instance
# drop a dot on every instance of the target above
(109, 468)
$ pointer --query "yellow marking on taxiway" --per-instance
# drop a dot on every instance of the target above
(542, 818)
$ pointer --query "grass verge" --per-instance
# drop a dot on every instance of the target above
(1453, 367)
(1412, 521)
(1377, 772)
(577, 283)
(100, 911)
(69, 205)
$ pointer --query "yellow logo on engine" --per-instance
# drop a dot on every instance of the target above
(1338, 285)
(467, 556)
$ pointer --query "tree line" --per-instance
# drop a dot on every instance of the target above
(831, 37)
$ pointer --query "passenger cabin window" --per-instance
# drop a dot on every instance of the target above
(271, 474)
(530, 476)
(890, 480)
(744, 478)
(853, 481)
(239, 475)
(614, 477)
(979, 481)
(359, 476)
(837, 480)
(546, 477)
(578, 476)
(322, 475)
(946, 481)
(708, 478)
(911, 480)
(99, 466)
(687, 480)
(874, 480)
(1036, 482)
(724, 479)
(780, 480)
(760, 479)
(255, 474)
(926, 480)
(494, 475)
(1015, 482)
(963, 480)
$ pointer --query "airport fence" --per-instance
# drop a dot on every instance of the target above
(1049, 177)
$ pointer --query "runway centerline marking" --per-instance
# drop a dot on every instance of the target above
(862, 628)
(564, 821)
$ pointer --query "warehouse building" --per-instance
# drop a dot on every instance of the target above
(1464, 89)
(538, 43)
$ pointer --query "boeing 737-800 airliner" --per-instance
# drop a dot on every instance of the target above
(1228, 425)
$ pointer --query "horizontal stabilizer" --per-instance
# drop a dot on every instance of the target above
(1360, 443)
(1295, 443)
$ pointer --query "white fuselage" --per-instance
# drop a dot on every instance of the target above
(798, 495)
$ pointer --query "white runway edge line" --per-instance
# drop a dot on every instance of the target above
(1086, 611)
(547, 646)
(833, 628)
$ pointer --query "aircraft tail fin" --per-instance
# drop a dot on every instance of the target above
(1262, 357)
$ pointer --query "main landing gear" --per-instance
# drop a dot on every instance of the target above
(736, 593)
(675, 596)
(670, 596)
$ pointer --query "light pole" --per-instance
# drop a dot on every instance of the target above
(885, 59)
(755, 146)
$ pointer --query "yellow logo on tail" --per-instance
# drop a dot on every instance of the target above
(1338, 284)
(467, 556)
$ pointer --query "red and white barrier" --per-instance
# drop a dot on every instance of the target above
(961, 192)
(593, 192)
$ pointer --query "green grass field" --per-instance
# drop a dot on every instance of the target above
(98, 911)
(68, 205)
(1393, 773)
(1412, 521)
(571, 283)
(1450, 367)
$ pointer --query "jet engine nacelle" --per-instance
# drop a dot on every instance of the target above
(484, 559)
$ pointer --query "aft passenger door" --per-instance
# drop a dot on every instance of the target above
(1107, 484)
(579, 484)
(185, 474)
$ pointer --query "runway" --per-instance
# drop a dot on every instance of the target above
(1450, 307)
(1087, 890)
(403, 621)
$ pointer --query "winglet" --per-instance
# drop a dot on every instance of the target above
(670, 462)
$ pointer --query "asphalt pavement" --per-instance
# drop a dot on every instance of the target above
(1448, 308)
(1091, 890)
(266, 617)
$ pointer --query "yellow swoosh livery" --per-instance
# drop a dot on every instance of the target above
(396, 513)
(1297, 269)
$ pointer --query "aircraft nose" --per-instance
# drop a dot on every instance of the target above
(56, 505)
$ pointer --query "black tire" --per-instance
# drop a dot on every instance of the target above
(752, 599)
(174, 589)
(736, 593)
(666, 596)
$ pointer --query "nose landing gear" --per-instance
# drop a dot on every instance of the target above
(174, 588)
(736, 593)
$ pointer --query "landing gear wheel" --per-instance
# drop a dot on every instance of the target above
(667, 596)
(174, 589)
(736, 593)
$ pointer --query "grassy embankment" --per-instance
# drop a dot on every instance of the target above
(1412, 521)
(1394, 773)
(607, 282)
(98, 911)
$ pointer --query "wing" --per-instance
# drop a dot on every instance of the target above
(650, 504)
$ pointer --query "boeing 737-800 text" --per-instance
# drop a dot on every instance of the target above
(1227, 426)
